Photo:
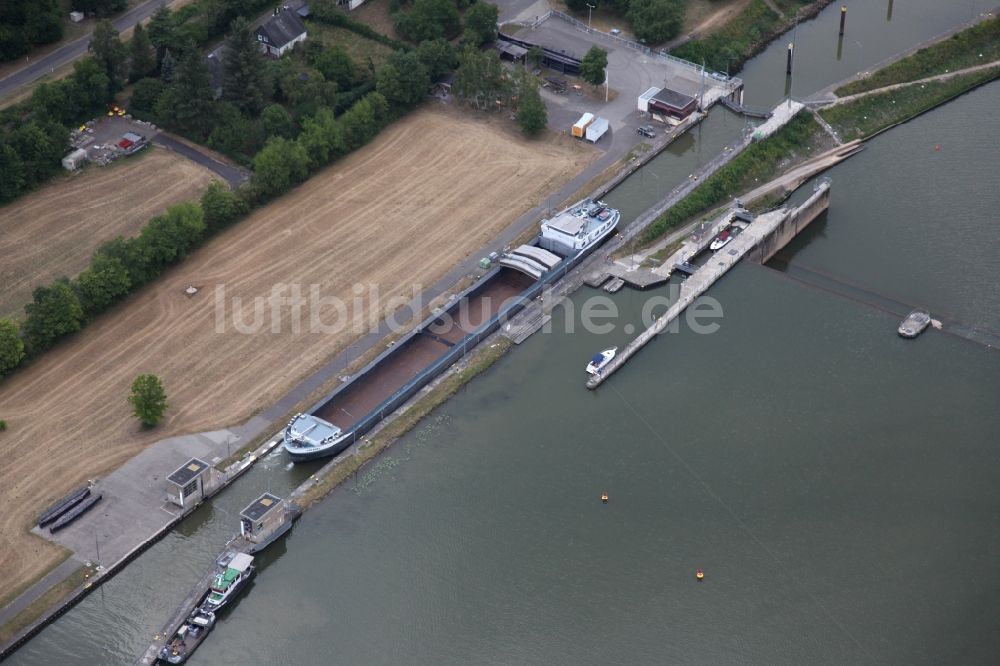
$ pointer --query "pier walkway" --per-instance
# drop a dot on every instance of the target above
(757, 236)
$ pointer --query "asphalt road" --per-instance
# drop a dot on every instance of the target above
(70, 52)
(234, 177)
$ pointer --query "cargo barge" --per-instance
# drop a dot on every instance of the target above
(350, 411)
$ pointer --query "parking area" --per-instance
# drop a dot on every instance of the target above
(630, 73)
(107, 138)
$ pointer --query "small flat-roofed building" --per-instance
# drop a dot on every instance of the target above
(512, 52)
(186, 487)
(75, 160)
(261, 517)
(670, 106)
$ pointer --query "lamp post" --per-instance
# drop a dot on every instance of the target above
(590, 14)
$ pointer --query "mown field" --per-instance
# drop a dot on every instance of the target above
(431, 190)
(53, 231)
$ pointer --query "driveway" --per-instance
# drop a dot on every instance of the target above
(231, 175)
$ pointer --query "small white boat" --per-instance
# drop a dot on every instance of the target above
(914, 324)
(600, 360)
(722, 239)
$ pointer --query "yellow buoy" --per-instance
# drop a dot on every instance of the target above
(699, 574)
(604, 497)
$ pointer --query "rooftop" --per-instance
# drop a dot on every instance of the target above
(282, 28)
(261, 506)
(673, 98)
(187, 472)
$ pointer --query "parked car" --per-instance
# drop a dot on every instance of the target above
(615, 31)
(647, 132)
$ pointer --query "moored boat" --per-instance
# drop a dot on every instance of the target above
(74, 513)
(600, 360)
(308, 437)
(578, 229)
(723, 239)
(226, 585)
(914, 324)
(188, 637)
(63, 505)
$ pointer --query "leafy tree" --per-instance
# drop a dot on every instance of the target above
(535, 55)
(169, 237)
(438, 56)
(481, 23)
(363, 121)
(54, 312)
(593, 65)
(656, 20)
(336, 65)
(89, 88)
(276, 121)
(128, 253)
(148, 400)
(11, 173)
(26, 23)
(531, 115)
(402, 79)
(429, 19)
(145, 94)
(480, 78)
(580, 5)
(234, 134)
(102, 284)
(278, 166)
(109, 51)
(167, 67)
(221, 206)
(11, 347)
(189, 101)
(40, 147)
(161, 32)
(243, 66)
(142, 57)
(322, 137)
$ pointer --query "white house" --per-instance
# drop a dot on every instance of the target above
(281, 32)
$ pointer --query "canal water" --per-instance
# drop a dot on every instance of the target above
(836, 483)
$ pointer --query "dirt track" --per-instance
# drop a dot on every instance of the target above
(52, 232)
(428, 192)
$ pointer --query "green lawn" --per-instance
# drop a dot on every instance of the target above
(974, 46)
(359, 48)
(863, 117)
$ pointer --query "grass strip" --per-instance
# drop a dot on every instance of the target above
(868, 115)
(759, 162)
(43, 604)
(968, 48)
(447, 387)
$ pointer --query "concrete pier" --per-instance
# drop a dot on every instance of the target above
(767, 234)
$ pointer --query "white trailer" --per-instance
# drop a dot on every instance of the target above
(581, 125)
(597, 129)
(74, 160)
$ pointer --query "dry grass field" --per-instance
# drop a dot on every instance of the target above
(428, 192)
(54, 230)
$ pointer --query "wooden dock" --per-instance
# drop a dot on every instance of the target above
(761, 238)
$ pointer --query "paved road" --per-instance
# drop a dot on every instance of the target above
(70, 52)
(233, 176)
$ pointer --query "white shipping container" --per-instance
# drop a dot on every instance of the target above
(597, 129)
(645, 97)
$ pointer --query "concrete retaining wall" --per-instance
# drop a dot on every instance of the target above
(795, 222)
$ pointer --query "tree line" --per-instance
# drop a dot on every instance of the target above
(296, 144)
(652, 21)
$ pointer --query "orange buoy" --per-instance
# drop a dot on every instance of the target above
(699, 574)
(604, 497)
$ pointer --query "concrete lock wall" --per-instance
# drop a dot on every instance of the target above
(794, 222)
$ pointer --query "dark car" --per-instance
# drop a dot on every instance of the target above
(647, 132)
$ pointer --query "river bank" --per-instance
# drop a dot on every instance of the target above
(348, 476)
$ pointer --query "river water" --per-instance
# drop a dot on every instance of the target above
(836, 483)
